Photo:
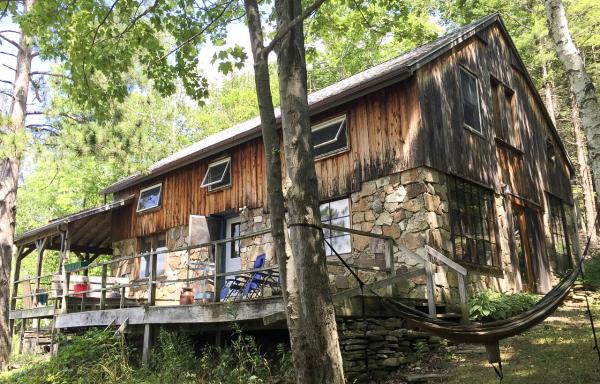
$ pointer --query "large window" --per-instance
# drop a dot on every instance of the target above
(148, 244)
(560, 238)
(149, 198)
(470, 100)
(472, 219)
(330, 137)
(336, 213)
(218, 175)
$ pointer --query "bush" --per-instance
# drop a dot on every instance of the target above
(492, 306)
(95, 357)
(173, 359)
(591, 269)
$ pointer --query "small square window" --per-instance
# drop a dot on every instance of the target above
(149, 198)
(470, 100)
(336, 213)
(218, 175)
(330, 137)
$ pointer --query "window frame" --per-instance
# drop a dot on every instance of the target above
(490, 225)
(153, 239)
(468, 72)
(209, 186)
(556, 211)
(157, 206)
(329, 221)
(343, 120)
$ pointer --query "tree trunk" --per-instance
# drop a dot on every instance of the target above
(580, 82)
(9, 176)
(273, 161)
(549, 93)
(585, 176)
(315, 344)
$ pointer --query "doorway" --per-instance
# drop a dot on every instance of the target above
(232, 248)
(524, 232)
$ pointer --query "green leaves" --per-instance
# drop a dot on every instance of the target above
(491, 305)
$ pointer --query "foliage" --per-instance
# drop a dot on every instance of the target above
(95, 357)
(348, 36)
(242, 363)
(492, 306)
(100, 357)
(592, 272)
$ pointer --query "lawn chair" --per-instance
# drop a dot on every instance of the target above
(237, 288)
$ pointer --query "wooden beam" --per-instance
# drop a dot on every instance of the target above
(147, 345)
(38, 312)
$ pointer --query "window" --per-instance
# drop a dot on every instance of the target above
(336, 213)
(470, 100)
(155, 243)
(149, 198)
(472, 219)
(502, 97)
(560, 238)
(330, 137)
(550, 150)
(234, 231)
(218, 175)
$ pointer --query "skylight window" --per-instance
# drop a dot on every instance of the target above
(149, 198)
(330, 137)
(218, 175)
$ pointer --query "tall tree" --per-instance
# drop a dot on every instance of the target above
(581, 84)
(10, 155)
(94, 52)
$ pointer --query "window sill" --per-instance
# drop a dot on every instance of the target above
(218, 189)
(331, 154)
(149, 210)
(473, 131)
(508, 145)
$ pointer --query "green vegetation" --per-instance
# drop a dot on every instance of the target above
(100, 357)
(558, 351)
(491, 305)
(591, 269)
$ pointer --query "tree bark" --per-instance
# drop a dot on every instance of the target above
(549, 93)
(580, 82)
(273, 160)
(585, 176)
(315, 345)
(9, 176)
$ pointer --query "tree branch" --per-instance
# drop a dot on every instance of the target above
(9, 67)
(298, 19)
(10, 41)
(7, 94)
(110, 10)
(8, 54)
(195, 35)
(35, 112)
(43, 73)
(10, 31)
(7, 82)
(43, 127)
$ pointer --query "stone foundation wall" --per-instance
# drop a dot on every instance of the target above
(387, 344)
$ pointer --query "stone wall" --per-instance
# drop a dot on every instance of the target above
(386, 344)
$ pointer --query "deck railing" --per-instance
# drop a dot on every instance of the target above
(104, 289)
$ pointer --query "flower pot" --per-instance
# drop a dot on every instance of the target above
(187, 296)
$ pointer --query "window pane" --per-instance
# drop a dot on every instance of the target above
(470, 100)
(218, 175)
(336, 213)
(330, 138)
(339, 208)
(149, 198)
(471, 222)
(341, 244)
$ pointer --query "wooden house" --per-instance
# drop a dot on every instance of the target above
(445, 153)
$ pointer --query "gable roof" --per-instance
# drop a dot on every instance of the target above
(353, 87)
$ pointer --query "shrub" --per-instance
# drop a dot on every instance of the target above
(173, 359)
(591, 268)
(492, 306)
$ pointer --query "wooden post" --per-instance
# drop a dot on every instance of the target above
(103, 287)
(40, 246)
(152, 279)
(147, 346)
(66, 283)
(430, 287)
(65, 246)
(15, 290)
(122, 300)
(22, 335)
(389, 263)
(218, 280)
(462, 293)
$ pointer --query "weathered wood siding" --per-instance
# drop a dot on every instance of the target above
(383, 130)
(457, 150)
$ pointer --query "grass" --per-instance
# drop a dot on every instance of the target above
(556, 351)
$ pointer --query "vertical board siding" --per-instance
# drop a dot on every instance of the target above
(383, 131)
(454, 149)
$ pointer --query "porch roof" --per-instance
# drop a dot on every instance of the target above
(88, 230)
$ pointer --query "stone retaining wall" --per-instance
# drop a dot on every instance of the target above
(388, 346)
